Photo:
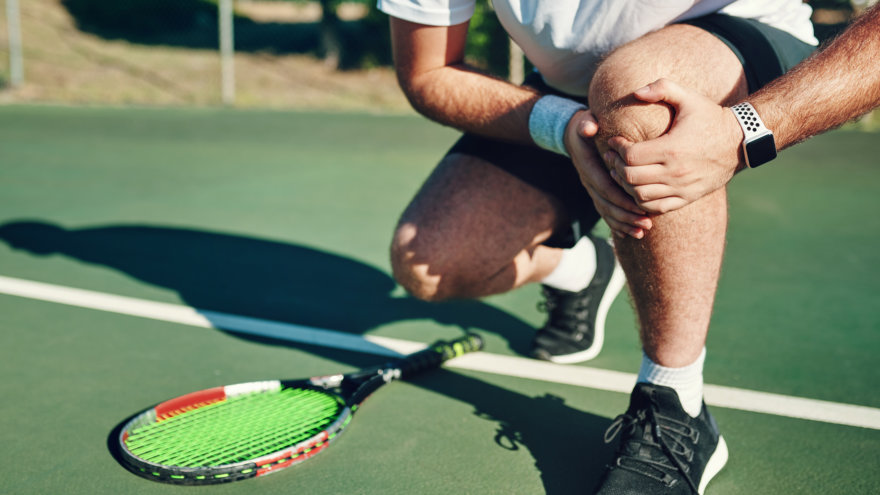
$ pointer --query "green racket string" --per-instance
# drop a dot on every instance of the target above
(235, 420)
(238, 429)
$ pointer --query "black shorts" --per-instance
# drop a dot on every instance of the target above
(765, 52)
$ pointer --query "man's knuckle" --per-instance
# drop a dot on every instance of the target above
(630, 155)
(630, 176)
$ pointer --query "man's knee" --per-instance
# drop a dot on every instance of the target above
(619, 113)
(612, 102)
(421, 267)
(686, 54)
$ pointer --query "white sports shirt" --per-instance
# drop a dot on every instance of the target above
(565, 39)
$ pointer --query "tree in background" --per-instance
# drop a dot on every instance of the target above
(141, 19)
(488, 45)
(365, 43)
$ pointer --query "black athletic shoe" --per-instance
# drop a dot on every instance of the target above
(575, 328)
(663, 450)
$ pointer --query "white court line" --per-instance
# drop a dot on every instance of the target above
(615, 381)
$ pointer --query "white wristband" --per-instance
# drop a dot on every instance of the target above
(548, 121)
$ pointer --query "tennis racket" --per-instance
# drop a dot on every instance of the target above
(241, 431)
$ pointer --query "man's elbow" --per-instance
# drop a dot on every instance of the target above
(415, 87)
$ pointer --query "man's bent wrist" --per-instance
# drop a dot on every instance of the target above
(737, 136)
(549, 119)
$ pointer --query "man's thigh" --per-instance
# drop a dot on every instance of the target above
(472, 216)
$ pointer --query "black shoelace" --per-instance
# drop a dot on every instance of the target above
(571, 315)
(672, 437)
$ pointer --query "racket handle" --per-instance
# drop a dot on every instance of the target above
(426, 359)
(438, 353)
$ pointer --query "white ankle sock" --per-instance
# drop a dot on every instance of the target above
(687, 381)
(575, 269)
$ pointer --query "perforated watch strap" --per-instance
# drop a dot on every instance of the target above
(748, 118)
(759, 146)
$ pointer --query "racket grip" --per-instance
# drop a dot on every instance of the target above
(438, 353)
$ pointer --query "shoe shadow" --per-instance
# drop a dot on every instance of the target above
(217, 272)
(567, 444)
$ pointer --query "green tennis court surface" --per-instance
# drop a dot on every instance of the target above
(287, 216)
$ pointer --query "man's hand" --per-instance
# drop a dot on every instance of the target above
(699, 154)
(620, 212)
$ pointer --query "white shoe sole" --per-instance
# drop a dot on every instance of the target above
(716, 462)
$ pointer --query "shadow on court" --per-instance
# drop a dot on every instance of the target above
(296, 284)
(566, 443)
(257, 278)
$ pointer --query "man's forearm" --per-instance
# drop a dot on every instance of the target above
(461, 97)
(838, 84)
(702, 150)
(429, 61)
(432, 74)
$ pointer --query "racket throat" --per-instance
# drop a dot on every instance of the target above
(328, 381)
(391, 374)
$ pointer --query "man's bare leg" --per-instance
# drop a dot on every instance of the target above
(673, 272)
(474, 230)
(668, 437)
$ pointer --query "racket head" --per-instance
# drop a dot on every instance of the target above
(241, 431)
(234, 432)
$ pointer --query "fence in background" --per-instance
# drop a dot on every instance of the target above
(205, 52)
(264, 53)
(267, 53)
(16, 65)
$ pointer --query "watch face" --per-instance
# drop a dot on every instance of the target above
(761, 150)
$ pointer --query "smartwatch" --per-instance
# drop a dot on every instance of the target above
(759, 147)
